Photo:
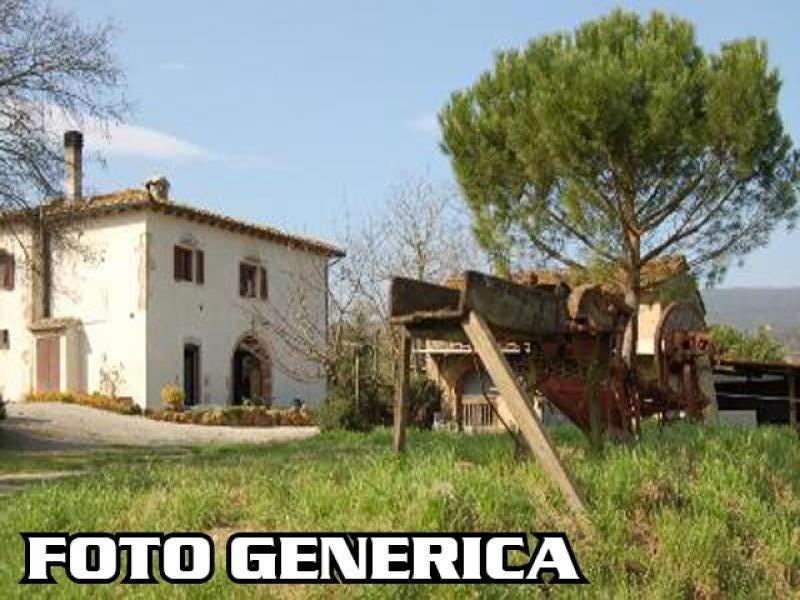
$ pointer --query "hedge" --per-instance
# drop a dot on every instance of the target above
(239, 416)
(123, 406)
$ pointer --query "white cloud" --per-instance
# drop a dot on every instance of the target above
(140, 142)
(426, 123)
(127, 140)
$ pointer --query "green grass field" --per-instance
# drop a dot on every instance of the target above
(686, 512)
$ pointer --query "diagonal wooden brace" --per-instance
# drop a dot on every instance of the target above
(401, 389)
(531, 429)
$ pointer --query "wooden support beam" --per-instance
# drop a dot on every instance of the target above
(598, 371)
(531, 429)
(791, 381)
(401, 389)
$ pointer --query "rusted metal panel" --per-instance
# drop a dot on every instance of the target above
(590, 305)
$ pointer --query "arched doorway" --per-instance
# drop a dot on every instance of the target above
(252, 372)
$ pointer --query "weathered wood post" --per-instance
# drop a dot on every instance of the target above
(531, 430)
(357, 378)
(403, 364)
(598, 371)
(791, 381)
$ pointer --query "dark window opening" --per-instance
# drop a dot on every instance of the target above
(200, 260)
(252, 374)
(263, 284)
(183, 264)
(191, 374)
(6, 271)
(5, 339)
(247, 280)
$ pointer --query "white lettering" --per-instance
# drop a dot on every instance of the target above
(140, 567)
(246, 565)
(443, 558)
(554, 555)
(93, 558)
(337, 549)
(496, 552)
(38, 558)
(383, 558)
(197, 550)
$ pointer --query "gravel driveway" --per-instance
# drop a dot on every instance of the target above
(53, 426)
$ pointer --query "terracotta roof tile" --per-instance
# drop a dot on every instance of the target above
(138, 199)
(53, 323)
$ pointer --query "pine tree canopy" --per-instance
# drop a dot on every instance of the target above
(622, 142)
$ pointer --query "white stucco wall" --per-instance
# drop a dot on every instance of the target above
(213, 316)
(16, 363)
(134, 318)
(96, 281)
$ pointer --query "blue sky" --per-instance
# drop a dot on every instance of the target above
(295, 113)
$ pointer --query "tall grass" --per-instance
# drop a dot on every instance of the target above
(686, 512)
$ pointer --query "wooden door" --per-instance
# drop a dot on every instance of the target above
(191, 374)
(48, 364)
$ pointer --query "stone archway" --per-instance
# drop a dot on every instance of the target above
(251, 372)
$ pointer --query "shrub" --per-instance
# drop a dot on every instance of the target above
(731, 343)
(339, 410)
(235, 416)
(424, 399)
(121, 405)
(2, 410)
(172, 397)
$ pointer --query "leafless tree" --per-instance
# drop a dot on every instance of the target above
(418, 231)
(426, 231)
(52, 69)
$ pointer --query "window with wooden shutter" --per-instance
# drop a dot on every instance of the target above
(178, 263)
(183, 264)
(200, 259)
(263, 283)
(247, 280)
(6, 270)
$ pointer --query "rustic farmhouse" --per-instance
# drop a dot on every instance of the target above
(126, 292)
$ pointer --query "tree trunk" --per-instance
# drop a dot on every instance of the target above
(631, 338)
(633, 288)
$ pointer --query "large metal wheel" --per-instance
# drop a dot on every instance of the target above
(684, 373)
(678, 316)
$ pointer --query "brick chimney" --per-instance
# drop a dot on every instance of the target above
(73, 166)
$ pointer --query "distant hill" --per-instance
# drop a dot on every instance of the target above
(749, 308)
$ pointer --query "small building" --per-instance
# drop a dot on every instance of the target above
(125, 292)
(465, 385)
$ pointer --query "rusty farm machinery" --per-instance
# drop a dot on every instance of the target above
(567, 344)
